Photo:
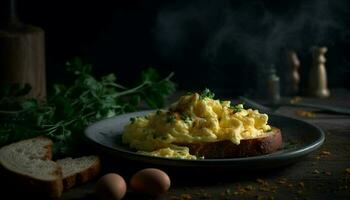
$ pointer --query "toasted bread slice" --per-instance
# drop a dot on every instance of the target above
(79, 170)
(29, 163)
(269, 143)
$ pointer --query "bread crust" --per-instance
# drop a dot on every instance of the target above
(90, 172)
(83, 176)
(69, 181)
(247, 147)
(48, 155)
(31, 186)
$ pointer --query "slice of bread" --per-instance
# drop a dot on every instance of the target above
(269, 143)
(29, 162)
(79, 170)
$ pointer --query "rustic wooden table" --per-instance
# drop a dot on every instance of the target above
(324, 174)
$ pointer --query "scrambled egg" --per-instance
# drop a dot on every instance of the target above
(193, 118)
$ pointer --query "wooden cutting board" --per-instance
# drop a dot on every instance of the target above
(22, 55)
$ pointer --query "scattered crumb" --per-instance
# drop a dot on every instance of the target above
(181, 197)
(328, 173)
(260, 181)
(174, 198)
(228, 191)
(347, 170)
(186, 197)
(290, 185)
(325, 153)
(316, 171)
(318, 157)
(260, 197)
(265, 186)
(205, 195)
(301, 184)
(264, 189)
(202, 194)
(241, 190)
(296, 99)
(249, 187)
(282, 181)
(304, 113)
(265, 183)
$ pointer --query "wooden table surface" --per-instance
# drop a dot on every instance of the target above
(324, 174)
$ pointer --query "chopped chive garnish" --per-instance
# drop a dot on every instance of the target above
(206, 93)
(237, 108)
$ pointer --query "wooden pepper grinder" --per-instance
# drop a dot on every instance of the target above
(293, 75)
(22, 53)
(318, 75)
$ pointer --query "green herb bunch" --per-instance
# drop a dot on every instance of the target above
(70, 109)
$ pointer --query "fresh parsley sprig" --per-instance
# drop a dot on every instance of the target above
(70, 108)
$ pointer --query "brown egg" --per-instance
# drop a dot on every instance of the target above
(110, 187)
(150, 181)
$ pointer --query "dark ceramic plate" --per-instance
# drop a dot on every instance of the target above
(299, 138)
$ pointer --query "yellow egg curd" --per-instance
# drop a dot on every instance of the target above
(193, 118)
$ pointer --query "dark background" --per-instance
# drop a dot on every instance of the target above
(223, 45)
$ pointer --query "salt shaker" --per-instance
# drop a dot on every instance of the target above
(318, 75)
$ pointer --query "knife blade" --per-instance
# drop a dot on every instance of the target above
(322, 107)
